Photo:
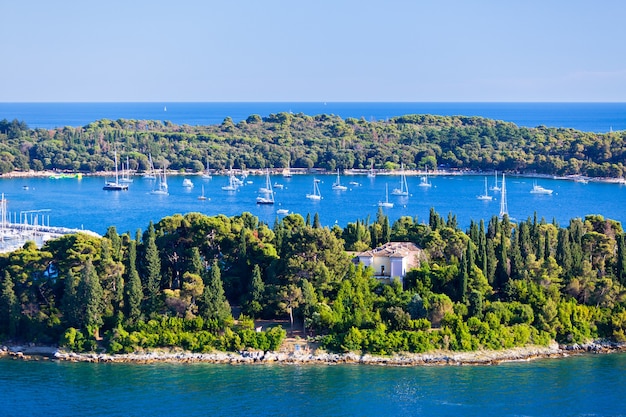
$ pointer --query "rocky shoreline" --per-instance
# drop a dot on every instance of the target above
(302, 357)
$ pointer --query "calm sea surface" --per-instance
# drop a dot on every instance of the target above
(588, 117)
(83, 204)
(593, 385)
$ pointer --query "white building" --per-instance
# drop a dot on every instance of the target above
(392, 260)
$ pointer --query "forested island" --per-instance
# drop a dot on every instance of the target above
(496, 285)
(323, 141)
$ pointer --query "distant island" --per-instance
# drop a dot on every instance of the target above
(205, 284)
(328, 142)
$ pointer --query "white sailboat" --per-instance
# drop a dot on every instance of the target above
(115, 185)
(126, 179)
(538, 189)
(404, 187)
(337, 185)
(486, 196)
(202, 196)
(232, 182)
(504, 208)
(149, 175)
(495, 187)
(386, 203)
(268, 185)
(268, 193)
(161, 186)
(316, 195)
(207, 173)
(424, 181)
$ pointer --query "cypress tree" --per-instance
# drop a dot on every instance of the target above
(256, 293)
(563, 251)
(620, 264)
(502, 268)
(9, 307)
(152, 277)
(213, 303)
(133, 292)
(386, 230)
(90, 294)
(316, 221)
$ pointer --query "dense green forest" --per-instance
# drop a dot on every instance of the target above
(323, 141)
(496, 285)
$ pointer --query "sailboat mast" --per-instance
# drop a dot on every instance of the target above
(504, 209)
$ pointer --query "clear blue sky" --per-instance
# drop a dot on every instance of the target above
(321, 50)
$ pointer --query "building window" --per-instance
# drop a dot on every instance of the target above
(382, 270)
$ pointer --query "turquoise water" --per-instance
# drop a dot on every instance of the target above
(588, 117)
(590, 385)
(83, 204)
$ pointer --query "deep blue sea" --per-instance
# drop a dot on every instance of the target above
(588, 117)
(591, 385)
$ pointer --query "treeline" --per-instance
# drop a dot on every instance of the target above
(323, 141)
(177, 283)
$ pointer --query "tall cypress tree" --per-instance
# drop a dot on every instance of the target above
(502, 268)
(9, 307)
(152, 277)
(133, 292)
(90, 295)
(213, 304)
(620, 264)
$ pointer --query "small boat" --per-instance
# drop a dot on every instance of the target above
(486, 196)
(207, 174)
(233, 182)
(354, 183)
(115, 185)
(538, 189)
(386, 203)
(278, 186)
(316, 195)
(282, 211)
(202, 196)
(424, 181)
(404, 187)
(371, 173)
(187, 183)
(337, 184)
